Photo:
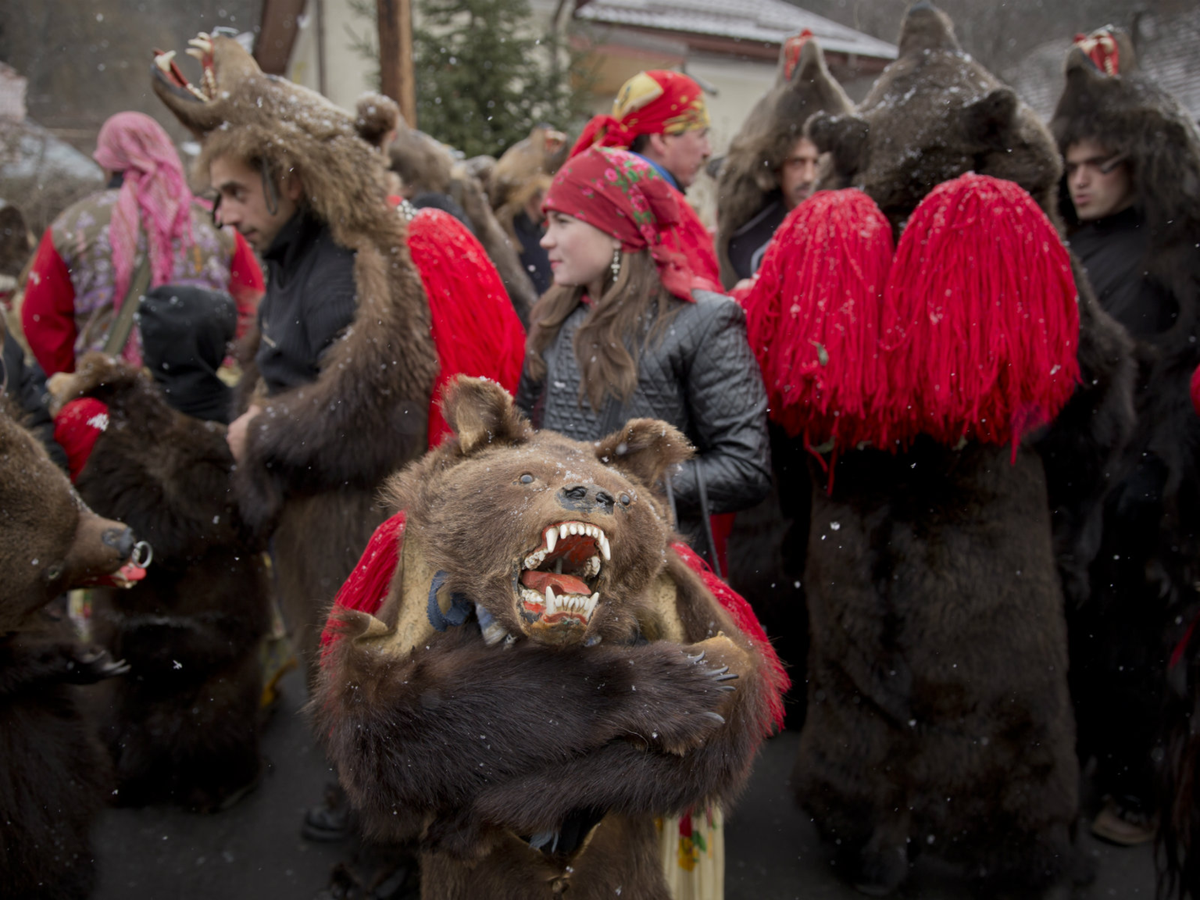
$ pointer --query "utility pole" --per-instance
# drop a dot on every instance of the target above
(396, 56)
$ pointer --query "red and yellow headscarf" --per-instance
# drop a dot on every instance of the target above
(654, 102)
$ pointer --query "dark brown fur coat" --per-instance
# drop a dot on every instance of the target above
(939, 715)
(521, 728)
(317, 454)
(54, 777)
(183, 724)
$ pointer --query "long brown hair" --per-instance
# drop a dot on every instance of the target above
(632, 311)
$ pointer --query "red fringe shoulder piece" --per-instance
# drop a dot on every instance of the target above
(980, 329)
(475, 329)
(813, 319)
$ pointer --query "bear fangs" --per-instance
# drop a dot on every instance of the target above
(578, 605)
(551, 535)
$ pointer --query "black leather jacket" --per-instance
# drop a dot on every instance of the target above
(700, 376)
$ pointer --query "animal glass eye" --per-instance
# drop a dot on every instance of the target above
(625, 499)
(526, 478)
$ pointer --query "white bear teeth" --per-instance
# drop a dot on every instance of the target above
(201, 48)
(552, 535)
(579, 604)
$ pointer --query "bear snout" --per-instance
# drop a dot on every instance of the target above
(585, 498)
(120, 539)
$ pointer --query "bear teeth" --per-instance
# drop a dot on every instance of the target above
(554, 533)
(577, 604)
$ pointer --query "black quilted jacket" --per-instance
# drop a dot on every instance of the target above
(701, 377)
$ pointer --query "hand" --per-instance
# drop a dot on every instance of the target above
(236, 436)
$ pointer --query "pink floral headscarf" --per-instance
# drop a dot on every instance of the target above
(154, 197)
(621, 194)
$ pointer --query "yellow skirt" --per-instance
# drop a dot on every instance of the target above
(692, 849)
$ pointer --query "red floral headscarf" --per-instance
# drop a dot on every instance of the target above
(621, 194)
(654, 102)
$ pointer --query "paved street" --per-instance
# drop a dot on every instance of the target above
(254, 851)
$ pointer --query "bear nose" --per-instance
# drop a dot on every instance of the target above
(120, 539)
(585, 498)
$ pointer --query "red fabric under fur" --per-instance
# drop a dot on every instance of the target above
(474, 326)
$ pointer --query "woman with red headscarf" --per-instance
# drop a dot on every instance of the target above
(90, 255)
(628, 331)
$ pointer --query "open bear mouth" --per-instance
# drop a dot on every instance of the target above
(201, 48)
(559, 579)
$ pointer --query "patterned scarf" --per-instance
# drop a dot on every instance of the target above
(623, 196)
(154, 197)
(654, 102)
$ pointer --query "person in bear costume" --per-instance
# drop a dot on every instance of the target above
(750, 173)
(938, 654)
(932, 115)
(316, 454)
(54, 777)
(526, 671)
(1147, 273)
(183, 724)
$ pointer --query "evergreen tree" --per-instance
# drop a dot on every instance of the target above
(482, 80)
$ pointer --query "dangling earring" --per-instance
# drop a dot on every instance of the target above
(615, 268)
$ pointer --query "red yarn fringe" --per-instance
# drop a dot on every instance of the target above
(1195, 386)
(980, 327)
(367, 585)
(813, 319)
(747, 622)
(475, 329)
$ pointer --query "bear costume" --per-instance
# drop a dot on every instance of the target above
(1144, 595)
(938, 712)
(750, 171)
(183, 724)
(317, 454)
(534, 673)
(54, 776)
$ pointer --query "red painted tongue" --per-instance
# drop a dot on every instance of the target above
(562, 584)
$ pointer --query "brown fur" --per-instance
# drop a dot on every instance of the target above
(328, 444)
(751, 169)
(183, 725)
(376, 116)
(933, 114)
(923, 601)
(525, 169)
(598, 727)
(938, 711)
(424, 164)
(53, 773)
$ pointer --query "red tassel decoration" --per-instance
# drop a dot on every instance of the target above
(475, 329)
(367, 585)
(747, 622)
(980, 330)
(813, 319)
(1196, 390)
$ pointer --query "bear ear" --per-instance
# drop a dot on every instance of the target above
(989, 120)
(645, 449)
(481, 413)
(846, 138)
(810, 65)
